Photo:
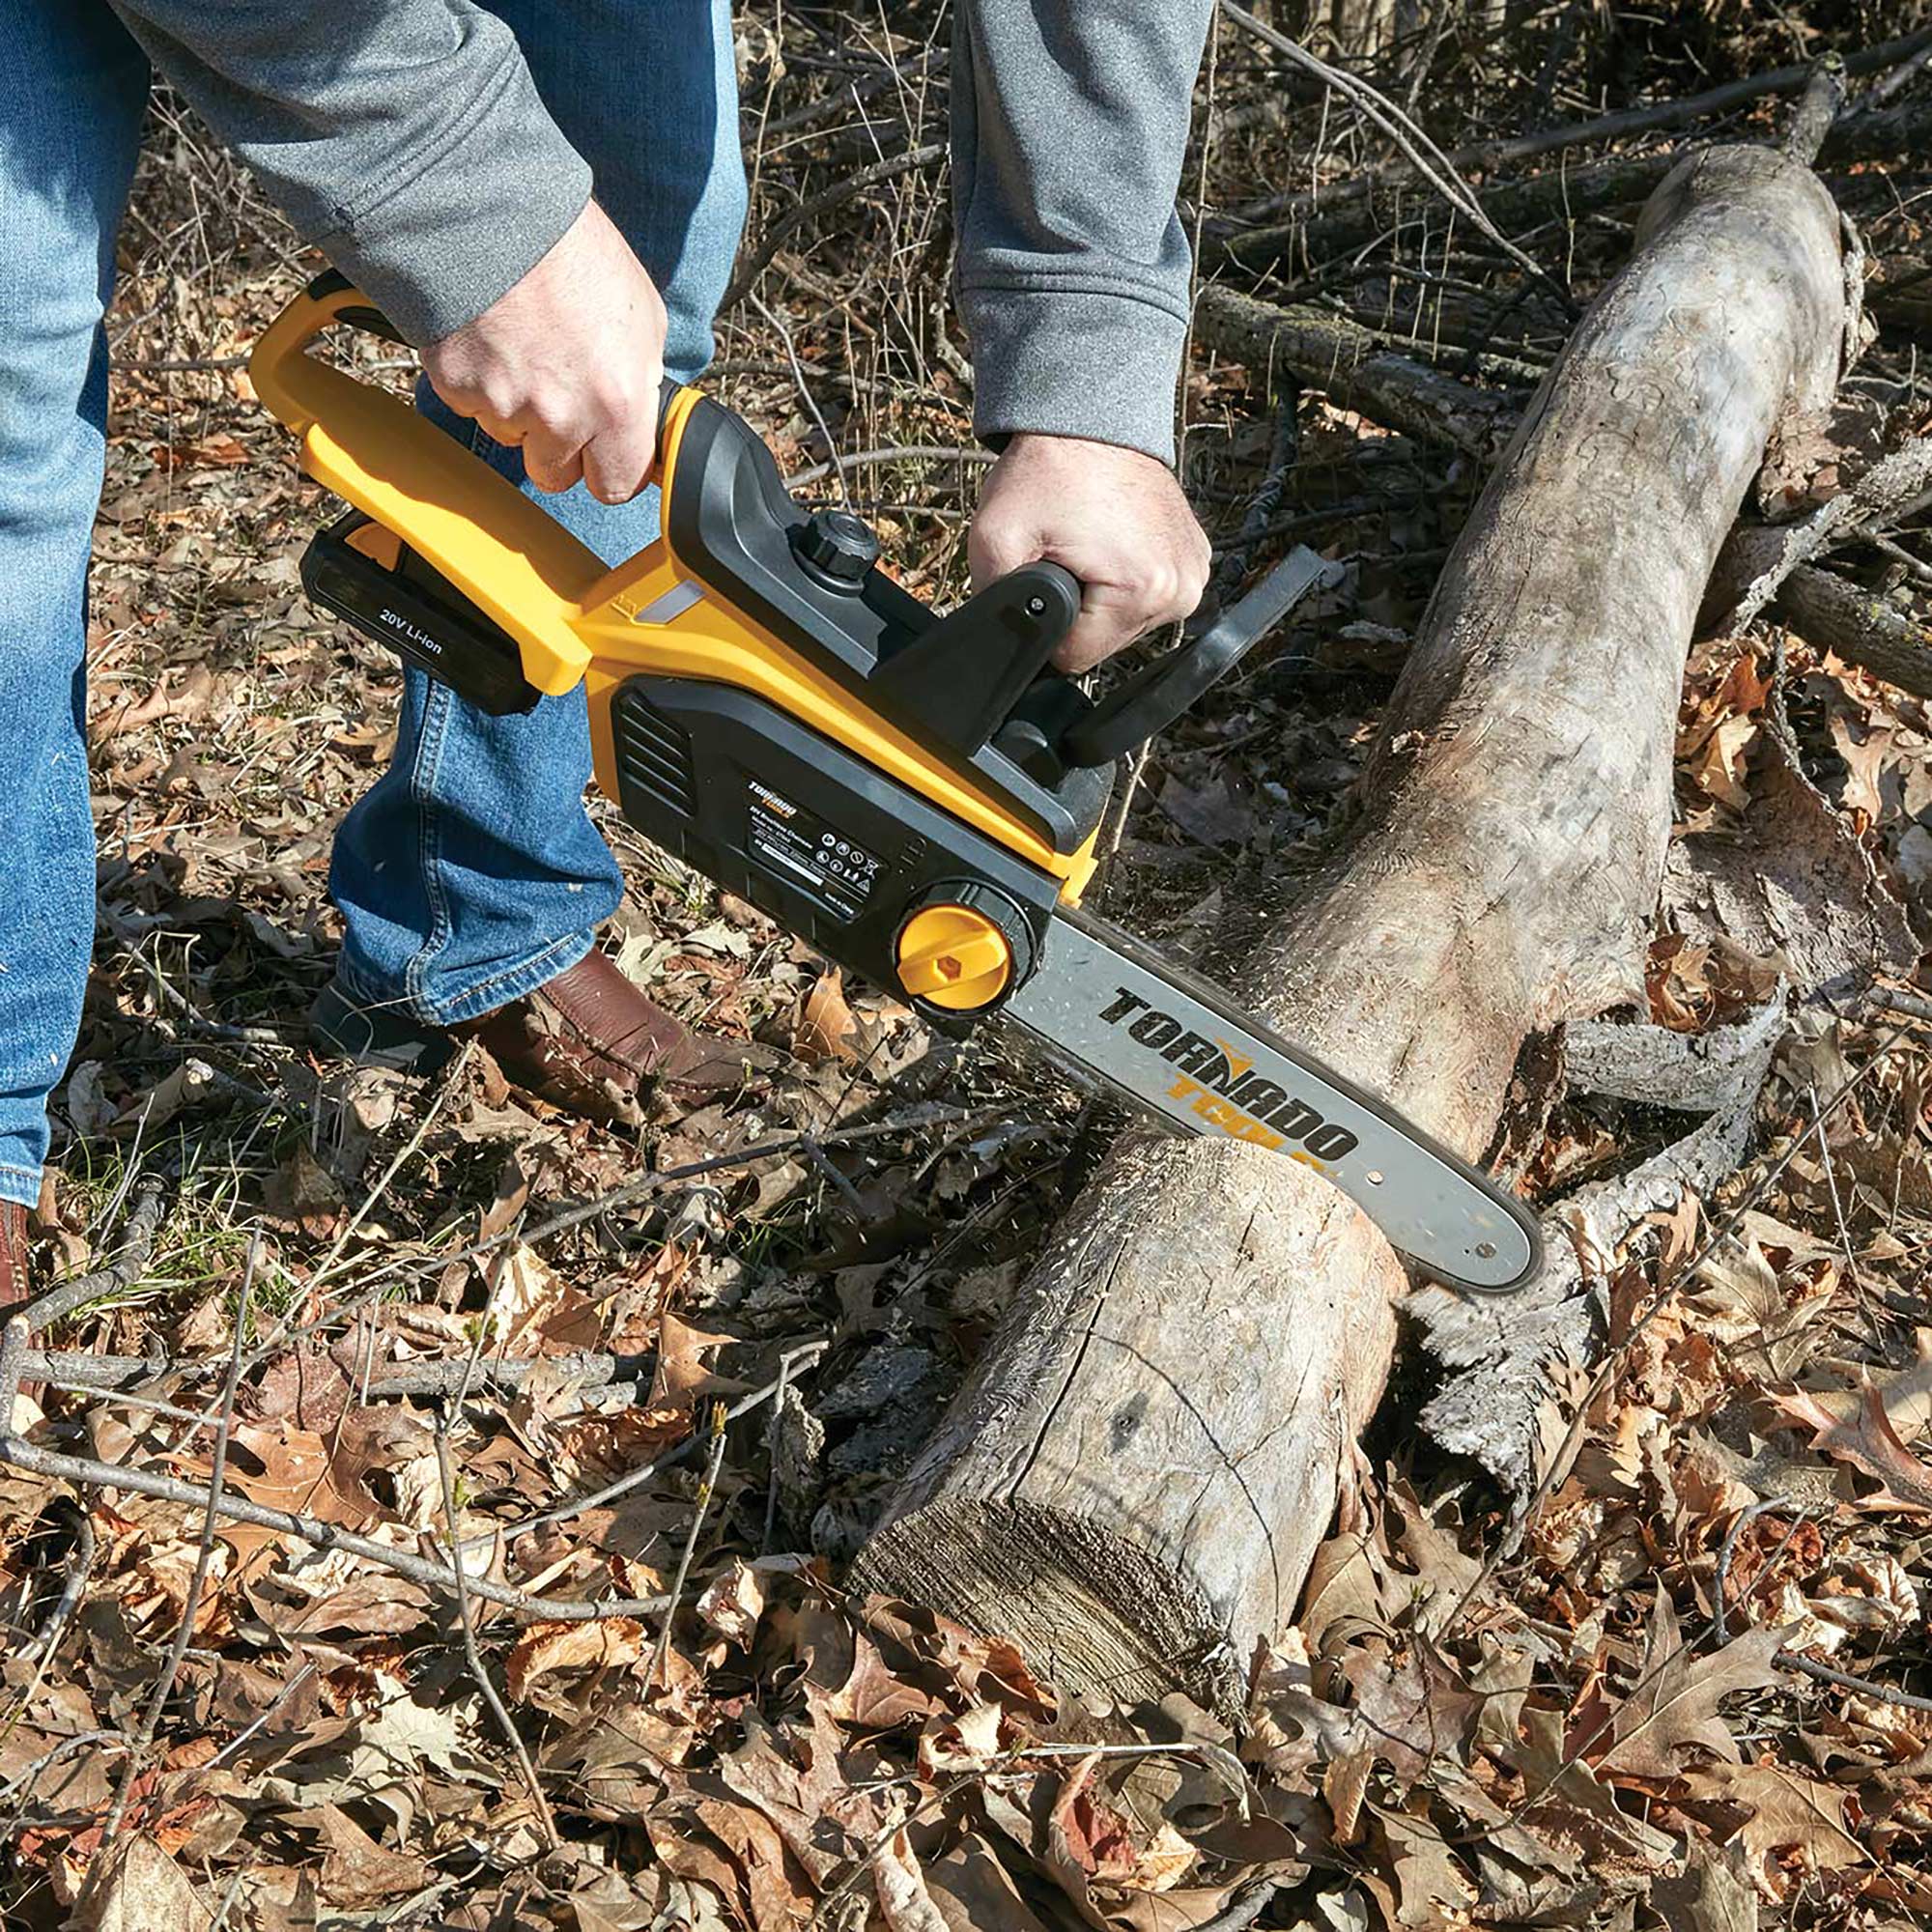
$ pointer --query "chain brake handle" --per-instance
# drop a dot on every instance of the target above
(1159, 691)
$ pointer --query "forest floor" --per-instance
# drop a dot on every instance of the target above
(424, 1313)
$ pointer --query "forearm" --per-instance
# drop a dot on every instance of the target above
(404, 137)
(1069, 128)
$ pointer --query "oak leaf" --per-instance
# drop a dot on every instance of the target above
(1674, 1707)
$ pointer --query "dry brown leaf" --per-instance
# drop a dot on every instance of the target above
(298, 1472)
(358, 1873)
(141, 1890)
(1867, 1441)
(1344, 1785)
(533, 1311)
(825, 1023)
(302, 1197)
(1427, 1874)
(1787, 1814)
(903, 1899)
(545, 1648)
(974, 1893)
(733, 1603)
(193, 697)
(1414, 1706)
(1674, 1707)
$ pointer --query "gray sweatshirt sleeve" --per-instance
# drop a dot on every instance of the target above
(1070, 125)
(402, 138)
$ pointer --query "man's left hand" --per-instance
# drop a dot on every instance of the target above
(1113, 517)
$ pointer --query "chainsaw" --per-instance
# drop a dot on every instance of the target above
(914, 795)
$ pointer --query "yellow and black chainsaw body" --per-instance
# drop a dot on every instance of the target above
(765, 703)
(915, 794)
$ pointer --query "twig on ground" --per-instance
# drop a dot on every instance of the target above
(817, 416)
(661, 1655)
(79, 1565)
(89, 1473)
(137, 1247)
(471, 1651)
(263, 1717)
(164, 1683)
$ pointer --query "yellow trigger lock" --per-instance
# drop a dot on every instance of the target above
(955, 958)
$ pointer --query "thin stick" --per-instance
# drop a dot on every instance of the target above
(662, 1655)
(472, 1652)
(895, 452)
(70, 1369)
(789, 223)
(137, 1247)
(164, 1683)
(779, 323)
(263, 1717)
(772, 1434)
(407, 1154)
(86, 1471)
(1437, 168)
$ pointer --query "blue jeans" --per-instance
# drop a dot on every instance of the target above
(471, 873)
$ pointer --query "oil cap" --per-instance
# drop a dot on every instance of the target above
(965, 947)
(837, 548)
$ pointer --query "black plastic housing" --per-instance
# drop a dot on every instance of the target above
(416, 612)
(826, 845)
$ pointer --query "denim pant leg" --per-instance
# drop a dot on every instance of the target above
(72, 88)
(471, 873)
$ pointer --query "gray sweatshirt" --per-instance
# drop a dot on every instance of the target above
(406, 139)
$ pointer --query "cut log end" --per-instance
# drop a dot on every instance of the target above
(1084, 1606)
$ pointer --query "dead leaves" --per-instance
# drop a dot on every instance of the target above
(547, 1649)
(826, 1026)
(1672, 1713)
(1867, 1441)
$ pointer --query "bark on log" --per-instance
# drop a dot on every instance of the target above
(1351, 366)
(1141, 1465)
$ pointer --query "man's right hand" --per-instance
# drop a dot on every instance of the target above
(567, 364)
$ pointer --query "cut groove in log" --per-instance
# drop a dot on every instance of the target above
(1142, 1462)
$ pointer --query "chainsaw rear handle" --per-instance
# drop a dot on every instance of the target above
(981, 674)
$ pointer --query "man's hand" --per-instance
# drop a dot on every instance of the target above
(1115, 518)
(567, 363)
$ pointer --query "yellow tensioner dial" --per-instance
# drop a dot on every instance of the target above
(959, 956)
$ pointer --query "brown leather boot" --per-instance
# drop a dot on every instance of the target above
(587, 1041)
(14, 1289)
(13, 1285)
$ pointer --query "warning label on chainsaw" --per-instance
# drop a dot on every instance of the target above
(803, 849)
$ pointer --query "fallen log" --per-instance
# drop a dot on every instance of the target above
(1136, 1474)
(1352, 367)
(1556, 194)
(1854, 623)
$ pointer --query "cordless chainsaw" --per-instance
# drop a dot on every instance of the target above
(914, 795)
